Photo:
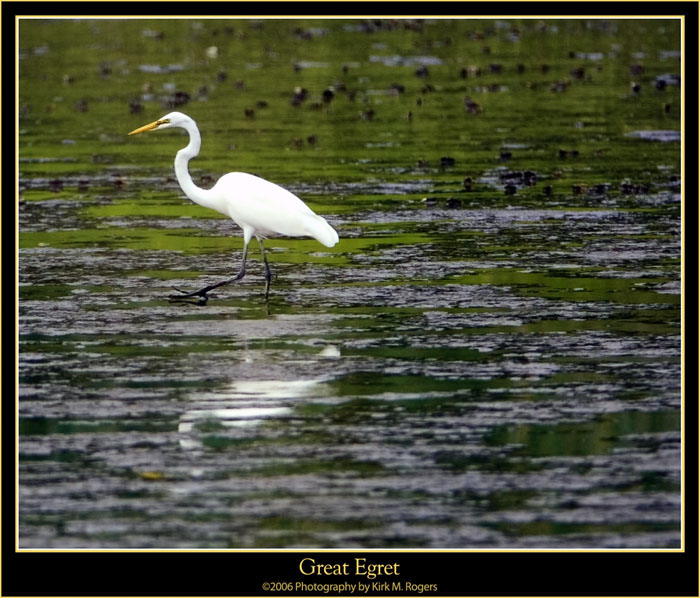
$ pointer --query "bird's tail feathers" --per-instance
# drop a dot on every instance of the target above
(320, 230)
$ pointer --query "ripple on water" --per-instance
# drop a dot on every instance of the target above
(478, 370)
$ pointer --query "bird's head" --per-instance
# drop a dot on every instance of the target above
(174, 119)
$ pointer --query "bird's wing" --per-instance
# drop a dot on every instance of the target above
(263, 206)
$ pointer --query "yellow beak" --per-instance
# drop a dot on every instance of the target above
(148, 127)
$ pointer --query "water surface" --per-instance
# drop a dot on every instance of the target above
(489, 358)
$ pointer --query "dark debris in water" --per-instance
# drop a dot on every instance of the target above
(489, 358)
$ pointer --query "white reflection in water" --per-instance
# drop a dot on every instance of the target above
(239, 405)
(330, 351)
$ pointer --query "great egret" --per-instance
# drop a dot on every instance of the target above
(259, 207)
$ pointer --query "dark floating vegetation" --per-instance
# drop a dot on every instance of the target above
(489, 358)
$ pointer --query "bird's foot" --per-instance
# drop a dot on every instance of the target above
(203, 292)
(185, 297)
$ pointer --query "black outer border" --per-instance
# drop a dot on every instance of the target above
(526, 573)
(456, 574)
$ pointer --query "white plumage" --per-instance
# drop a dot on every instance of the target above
(259, 207)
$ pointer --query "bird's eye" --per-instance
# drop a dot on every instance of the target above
(164, 121)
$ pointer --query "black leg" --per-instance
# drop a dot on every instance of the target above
(268, 273)
(202, 293)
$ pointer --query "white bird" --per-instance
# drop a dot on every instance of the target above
(259, 207)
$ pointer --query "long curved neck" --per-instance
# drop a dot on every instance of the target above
(203, 197)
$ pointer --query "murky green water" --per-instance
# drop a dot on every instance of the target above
(484, 363)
